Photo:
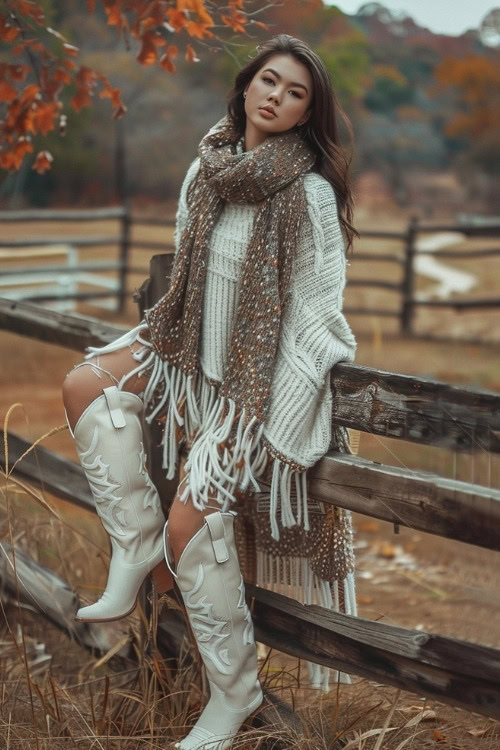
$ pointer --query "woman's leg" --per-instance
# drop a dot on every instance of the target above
(105, 421)
(85, 382)
(202, 555)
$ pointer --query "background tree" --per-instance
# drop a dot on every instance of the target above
(39, 64)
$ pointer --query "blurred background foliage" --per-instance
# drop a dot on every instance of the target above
(418, 101)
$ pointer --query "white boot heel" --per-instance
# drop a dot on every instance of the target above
(109, 442)
(209, 578)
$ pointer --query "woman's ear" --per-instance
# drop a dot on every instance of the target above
(304, 119)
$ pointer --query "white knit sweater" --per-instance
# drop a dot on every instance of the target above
(314, 334)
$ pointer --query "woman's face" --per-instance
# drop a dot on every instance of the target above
(286, 85)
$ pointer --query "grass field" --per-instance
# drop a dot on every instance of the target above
(407, 579)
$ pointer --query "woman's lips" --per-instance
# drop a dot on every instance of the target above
(265, 113)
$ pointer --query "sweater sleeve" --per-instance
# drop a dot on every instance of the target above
(322, 335)
(182, 208)
(314, 333)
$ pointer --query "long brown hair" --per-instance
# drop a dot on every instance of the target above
(320, 131)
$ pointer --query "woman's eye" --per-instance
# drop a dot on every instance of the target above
(293, 92)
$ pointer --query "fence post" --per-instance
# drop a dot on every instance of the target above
(150, 292)
(408, 285)
(124, 251)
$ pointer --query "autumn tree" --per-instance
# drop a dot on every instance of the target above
(38, 64)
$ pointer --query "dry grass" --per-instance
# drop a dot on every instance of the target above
(148, 704)
(82, 700)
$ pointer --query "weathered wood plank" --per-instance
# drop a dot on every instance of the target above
(377, 283)
(417, 499)
(58, 475)
(421, 500)
(77, 240)
(54, 598)
(95, 266)
(479, 253)
(384, 313)
(418, 409)
(459, 304)
(55, 328)
(384, 257)
(471, 230)
(455, 672)
(44, 214)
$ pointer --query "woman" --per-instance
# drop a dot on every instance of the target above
(235, 361)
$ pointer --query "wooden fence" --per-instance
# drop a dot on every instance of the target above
(409, 301)
(404, 407)
(405, 287)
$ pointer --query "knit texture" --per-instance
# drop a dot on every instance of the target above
(314, 334)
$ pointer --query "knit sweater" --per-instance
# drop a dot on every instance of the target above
(314, 334)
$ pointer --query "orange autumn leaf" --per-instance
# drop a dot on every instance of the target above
(7, 32)
(113, 94)
(438, 736)
(61, 76)
(45, 115)
(166, 59)
(12, 158)
(262, 25)
(191, 54)
(236, 21)
(198, 6)
(30, 92)
(17, 72)
(80, 99)
(198, 30)
(112, 8)
(31, 9)
(7, 92)
(176, 19)
(43, 162)
(147, 53)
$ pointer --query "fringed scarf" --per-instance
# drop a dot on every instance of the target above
(268, 176)
(271, 176)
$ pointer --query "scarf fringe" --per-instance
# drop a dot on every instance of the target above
(292, 576)
(194, 409)
(192, 403)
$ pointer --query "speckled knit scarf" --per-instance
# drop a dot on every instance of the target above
(268, 176)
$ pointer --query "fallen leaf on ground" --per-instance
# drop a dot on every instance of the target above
(478, 732)
(439, 736)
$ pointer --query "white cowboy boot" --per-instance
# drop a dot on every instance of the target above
(108, 438)
(210, 580)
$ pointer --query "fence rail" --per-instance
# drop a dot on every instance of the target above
(405, 288)
(385, 403)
